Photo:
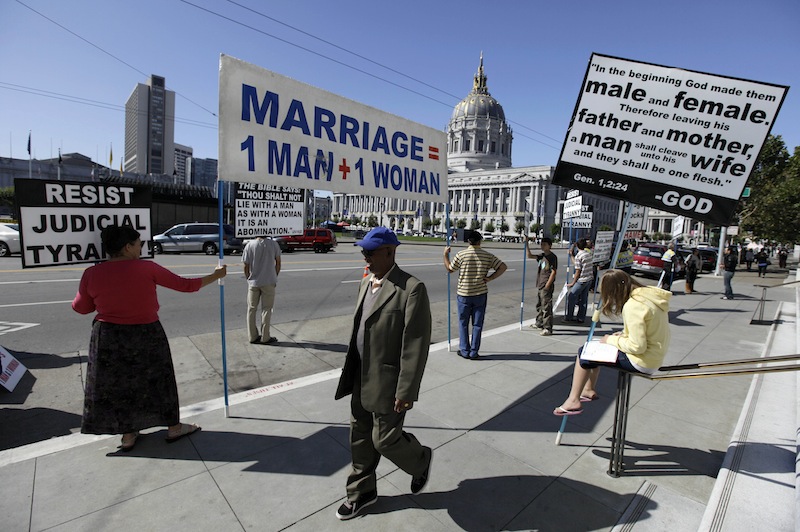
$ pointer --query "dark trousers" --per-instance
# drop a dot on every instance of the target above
(373, 435)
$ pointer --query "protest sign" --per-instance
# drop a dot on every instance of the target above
(60, 221)
(279, 131)
(674, 139)
(269, 210)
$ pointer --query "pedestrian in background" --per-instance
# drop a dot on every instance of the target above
(130, 378)
(729, 262)
(669, 266)
(782, 256)
(383, 371)
(262, 265)
(762, 261)
(749, 257)
(581, 283)
(545, 284)
(693, 265)
(473, 265)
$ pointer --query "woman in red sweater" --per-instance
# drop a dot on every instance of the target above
(130, 383)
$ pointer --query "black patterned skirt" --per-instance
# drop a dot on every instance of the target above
(130, 382)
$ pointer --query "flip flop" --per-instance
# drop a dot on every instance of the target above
(559, 411)
(587, 399)
(186, 429)
(128, 446)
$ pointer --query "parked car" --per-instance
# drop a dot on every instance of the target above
(647, 259)
(9, 239)
(487, 236)
(196, 236)
(320, 240)
(708, 257)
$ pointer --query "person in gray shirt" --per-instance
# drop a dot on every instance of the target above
(262, 264)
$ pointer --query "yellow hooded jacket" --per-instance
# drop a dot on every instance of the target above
(645, 334)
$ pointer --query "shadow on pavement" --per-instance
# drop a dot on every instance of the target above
(493, 503)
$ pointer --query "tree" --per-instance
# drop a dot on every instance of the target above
(461, 223)
(372, 221)
(473, 224)
(426, 223)
(555, 229)
(773, 209)
(605, 227)
(519, 228)
(490, 227)
(536, 227)
(503, 227)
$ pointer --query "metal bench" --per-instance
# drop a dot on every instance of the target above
(685, 371)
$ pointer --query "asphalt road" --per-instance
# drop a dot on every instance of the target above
(36, 317)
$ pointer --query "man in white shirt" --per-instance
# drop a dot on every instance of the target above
(262, 264)
(581, 282)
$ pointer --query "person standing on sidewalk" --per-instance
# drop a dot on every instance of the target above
(383, 370)
(130, 378)
(762, 261)
(581, 283)
(545, 283)
(473, 265)
(669, 260)
(729, 262)
(693, 265)
(262, 264)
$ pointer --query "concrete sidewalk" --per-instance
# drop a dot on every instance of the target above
(279, 461)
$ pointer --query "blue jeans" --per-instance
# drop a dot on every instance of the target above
(470, 308)
(726, 278)
(578, 295)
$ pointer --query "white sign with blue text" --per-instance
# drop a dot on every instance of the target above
(279, 131)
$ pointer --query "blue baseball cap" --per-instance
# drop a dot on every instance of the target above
(377, 237)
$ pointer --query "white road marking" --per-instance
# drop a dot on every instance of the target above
(12, 326)
(37, 303)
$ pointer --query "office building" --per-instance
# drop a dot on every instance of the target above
(150, 129)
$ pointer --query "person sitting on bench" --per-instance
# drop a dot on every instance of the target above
(642, 343)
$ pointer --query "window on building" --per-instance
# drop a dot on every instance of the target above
(668, 226)
(503, 149)
(466, 144)
(480, 145)
(494, 147)
(455, 145)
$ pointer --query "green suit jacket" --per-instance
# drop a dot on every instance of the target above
(397, 338)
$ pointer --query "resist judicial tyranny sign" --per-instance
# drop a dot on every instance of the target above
(278, 131)
(61, 221)
(673, 139)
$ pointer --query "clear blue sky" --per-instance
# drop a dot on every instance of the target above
(535, 57)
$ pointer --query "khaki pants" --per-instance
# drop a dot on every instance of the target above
(544, 309)
(265, 296)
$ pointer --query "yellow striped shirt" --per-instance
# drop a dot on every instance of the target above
(473, 264)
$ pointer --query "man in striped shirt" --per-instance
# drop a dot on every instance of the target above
(473, 265)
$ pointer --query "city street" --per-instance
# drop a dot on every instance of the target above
(311, 286)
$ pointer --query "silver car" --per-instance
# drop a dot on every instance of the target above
(9, 239)
(196, 237)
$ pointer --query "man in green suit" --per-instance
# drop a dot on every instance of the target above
(383, 371)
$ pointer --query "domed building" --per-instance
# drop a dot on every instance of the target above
(485, 191)
(478, 136)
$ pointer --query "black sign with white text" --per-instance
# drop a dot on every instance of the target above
(61, 221)
(674, 139)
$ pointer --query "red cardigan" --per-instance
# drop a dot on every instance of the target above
(124, 291)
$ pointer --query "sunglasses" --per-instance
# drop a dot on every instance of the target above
(369, 252)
